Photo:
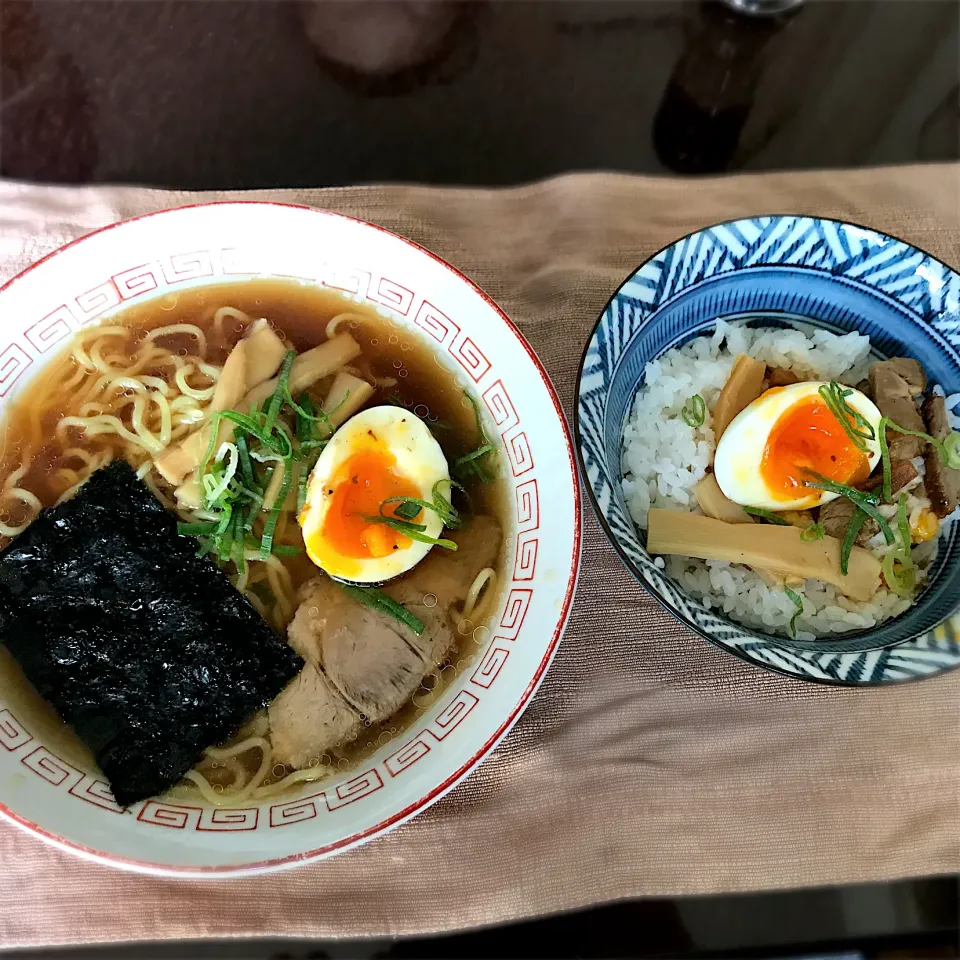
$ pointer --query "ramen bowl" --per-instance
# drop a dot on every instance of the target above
(778, 271)
(58, 795)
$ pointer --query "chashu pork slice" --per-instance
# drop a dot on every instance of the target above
(309, 719)
(360, 650)
(447, 576)
(362, 662)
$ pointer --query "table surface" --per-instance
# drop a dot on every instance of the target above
(235, 95)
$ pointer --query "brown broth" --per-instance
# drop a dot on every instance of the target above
(299, 312)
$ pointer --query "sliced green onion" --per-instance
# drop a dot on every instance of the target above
(815, 531)
(371, 597)
(226, 514)
(798, 609)
(470, 464)
(206, 545)
(238, 541)
(897, 566)
(280, 393)
(857, 521)
(306, 416)
(474, 454)
(899, 573)
(216, 490)
(302, 482)
(286, 550)
(903, 523)
(224, 543)
(866, 501)
(314, 414)
(887, 488)
(694, 411)
(279, 442)
(854, 424)
(196, 529)
(406, 510)
(950, 450)
(412, 530)
(409, 508)
(246, 467)
(766, 515)
(447, 502)
(267, 457)
(266, 543)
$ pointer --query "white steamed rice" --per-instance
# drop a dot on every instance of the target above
(663, 458)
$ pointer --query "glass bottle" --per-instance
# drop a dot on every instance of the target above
(708, 98)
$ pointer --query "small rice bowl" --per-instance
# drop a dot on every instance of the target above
(663, 458)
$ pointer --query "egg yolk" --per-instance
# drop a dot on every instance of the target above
(355, 493)
(807, 437)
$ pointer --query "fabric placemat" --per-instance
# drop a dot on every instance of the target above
(649, 763)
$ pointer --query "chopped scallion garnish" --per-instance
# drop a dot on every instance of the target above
(266, 542)
(948, 450)
(246, 467)
(280, 393)
(196, 529)
(475, 463)
(694, 411)
(409, 507)
(854, 424)
(798, 609)
(412, 530)
(815, 531)
(405, 509)
(767, 515)
(899, 572)
(371, 597)
(903, 522)
(864, 500)
(857, 521)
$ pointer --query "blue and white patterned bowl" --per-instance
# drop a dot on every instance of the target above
(777, 270)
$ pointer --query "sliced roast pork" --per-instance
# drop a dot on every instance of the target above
(836, 515)
(310, 718)
(893, 385)
(361, 663)
(942, 482)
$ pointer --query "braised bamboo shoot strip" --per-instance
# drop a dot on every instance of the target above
(743, 386)
(714, 503)
(763, 546)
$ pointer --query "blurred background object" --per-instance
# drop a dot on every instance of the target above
(708, 98)
(46, 123)
(389, 47)
(228, 93)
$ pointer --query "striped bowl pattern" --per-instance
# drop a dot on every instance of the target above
(777, 270)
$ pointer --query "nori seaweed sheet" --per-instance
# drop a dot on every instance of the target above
(146, 650)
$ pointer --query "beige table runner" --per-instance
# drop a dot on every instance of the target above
(649, 763)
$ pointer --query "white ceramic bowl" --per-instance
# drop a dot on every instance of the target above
(170, 251)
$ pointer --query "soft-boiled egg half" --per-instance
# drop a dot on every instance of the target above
(380, 453)
(772, 446)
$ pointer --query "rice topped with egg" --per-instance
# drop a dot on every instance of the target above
(670, 453)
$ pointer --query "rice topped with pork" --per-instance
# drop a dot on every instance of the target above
(789, 480)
